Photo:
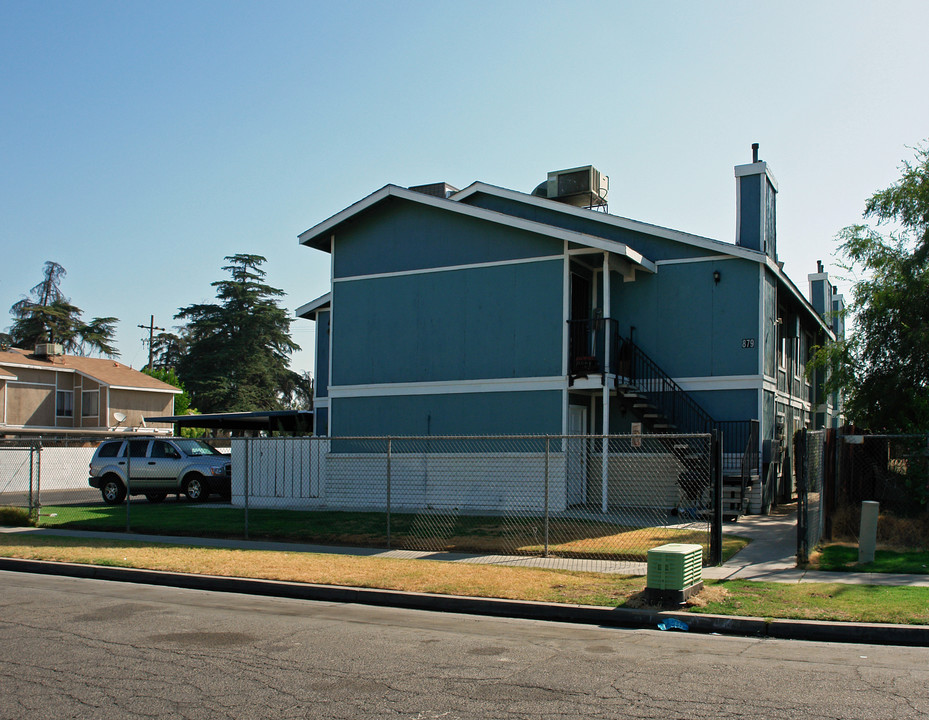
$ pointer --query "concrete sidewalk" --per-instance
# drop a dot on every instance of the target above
(772, 556)
(769, 557)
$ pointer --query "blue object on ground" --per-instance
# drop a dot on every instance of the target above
(673, 624)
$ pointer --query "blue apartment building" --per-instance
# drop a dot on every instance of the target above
(488, 311)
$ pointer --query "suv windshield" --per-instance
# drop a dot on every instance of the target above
(196, 447)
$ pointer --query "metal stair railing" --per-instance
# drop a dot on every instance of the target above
(680, 411)
(669, 399)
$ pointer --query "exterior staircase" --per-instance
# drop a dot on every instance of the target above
(664, 407)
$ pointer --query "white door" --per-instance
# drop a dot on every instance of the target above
(577, 455)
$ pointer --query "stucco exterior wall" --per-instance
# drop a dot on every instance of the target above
(29, 404)
(136, 405)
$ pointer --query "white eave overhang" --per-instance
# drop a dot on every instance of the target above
(319, 236)
(171, 391)
(30, 366)
(307, 310)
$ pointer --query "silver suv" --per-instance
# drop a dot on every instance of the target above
(158, 466)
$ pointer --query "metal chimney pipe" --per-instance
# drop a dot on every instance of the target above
(754, 152)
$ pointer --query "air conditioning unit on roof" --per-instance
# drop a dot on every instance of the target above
(49, 349)
(581, 186)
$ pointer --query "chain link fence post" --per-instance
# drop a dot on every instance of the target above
(716, 481)
(33, 512)
(128, 484)
(38, 481)
(547, 505)
(803, 468)
(389, 452)
(245, 473)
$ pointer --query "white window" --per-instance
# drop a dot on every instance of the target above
(90, 403)
(64, 403)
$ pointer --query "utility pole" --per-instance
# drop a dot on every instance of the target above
(151, 336)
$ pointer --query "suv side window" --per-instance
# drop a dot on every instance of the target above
(137, 448)
(110, 449)
(161, 449)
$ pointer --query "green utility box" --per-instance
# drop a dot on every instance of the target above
(675, 571)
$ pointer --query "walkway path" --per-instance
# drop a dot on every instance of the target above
(770, 557)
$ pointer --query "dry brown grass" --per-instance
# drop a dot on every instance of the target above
(710, 594)
(734, 597)
(893, 532)
(347, 570)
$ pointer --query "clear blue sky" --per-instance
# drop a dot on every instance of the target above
(140, 143)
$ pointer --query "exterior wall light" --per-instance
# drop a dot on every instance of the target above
(716, 276)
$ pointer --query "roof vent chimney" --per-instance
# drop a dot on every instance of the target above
(754, 152)
(440, 190)
(819, 266)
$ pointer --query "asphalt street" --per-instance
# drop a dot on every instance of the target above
(92, 649)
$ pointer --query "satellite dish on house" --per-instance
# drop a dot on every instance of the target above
(120, 418)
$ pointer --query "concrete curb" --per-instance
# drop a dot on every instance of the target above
(869, 633)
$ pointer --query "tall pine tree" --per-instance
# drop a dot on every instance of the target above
(46, 315)
(239, 347)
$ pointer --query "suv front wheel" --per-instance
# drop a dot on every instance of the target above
(195, 487)
(113, 490)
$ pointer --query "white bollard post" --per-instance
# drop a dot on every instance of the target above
(867, 534)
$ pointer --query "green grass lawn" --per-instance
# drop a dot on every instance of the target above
(845, 558)
(821, 601)
(460, 533)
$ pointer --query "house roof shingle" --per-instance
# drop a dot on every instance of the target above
(105, 371)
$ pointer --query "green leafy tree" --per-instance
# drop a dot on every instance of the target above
(297, 393)
(882, 368)
(46, 315)
(168, 349)
(181, 402)
(239, 347)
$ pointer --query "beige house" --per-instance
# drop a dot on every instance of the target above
(48, 391)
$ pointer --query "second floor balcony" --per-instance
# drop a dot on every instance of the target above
(594, 347)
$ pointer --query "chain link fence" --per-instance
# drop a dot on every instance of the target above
(47, 478)
(587, 502)
(892, 470)
(46, 471)
(809, 455)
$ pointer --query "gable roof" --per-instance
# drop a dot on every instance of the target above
(306, 310)
(607, 219)
(319, 235)
(646, 228)
(109, 373)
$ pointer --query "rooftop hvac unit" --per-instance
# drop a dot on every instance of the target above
(583, 186)
(48, 349)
